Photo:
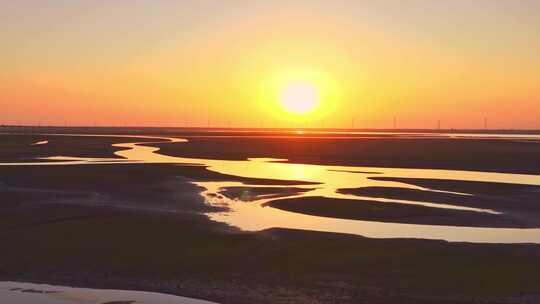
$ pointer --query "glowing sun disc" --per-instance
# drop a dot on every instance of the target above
(299, 98)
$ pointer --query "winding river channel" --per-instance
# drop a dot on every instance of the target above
(256, 215)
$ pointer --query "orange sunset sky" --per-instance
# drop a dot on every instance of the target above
(184, 63)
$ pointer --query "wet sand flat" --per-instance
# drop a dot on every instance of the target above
(23, 148)
(183, 253)
(186, 255)
(457, 154)
(519, 205)
(367, 210)
(143, 227)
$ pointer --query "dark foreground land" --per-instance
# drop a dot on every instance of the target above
(142, 227)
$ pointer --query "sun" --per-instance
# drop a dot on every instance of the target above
(299, 97)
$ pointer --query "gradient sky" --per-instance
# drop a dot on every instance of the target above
(176, 63)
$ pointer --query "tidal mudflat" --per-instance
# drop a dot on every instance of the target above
(26, 293)
(130, 222)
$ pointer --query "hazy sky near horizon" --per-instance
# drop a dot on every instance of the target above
(187, 62)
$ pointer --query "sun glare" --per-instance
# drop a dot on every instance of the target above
(299, 97)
